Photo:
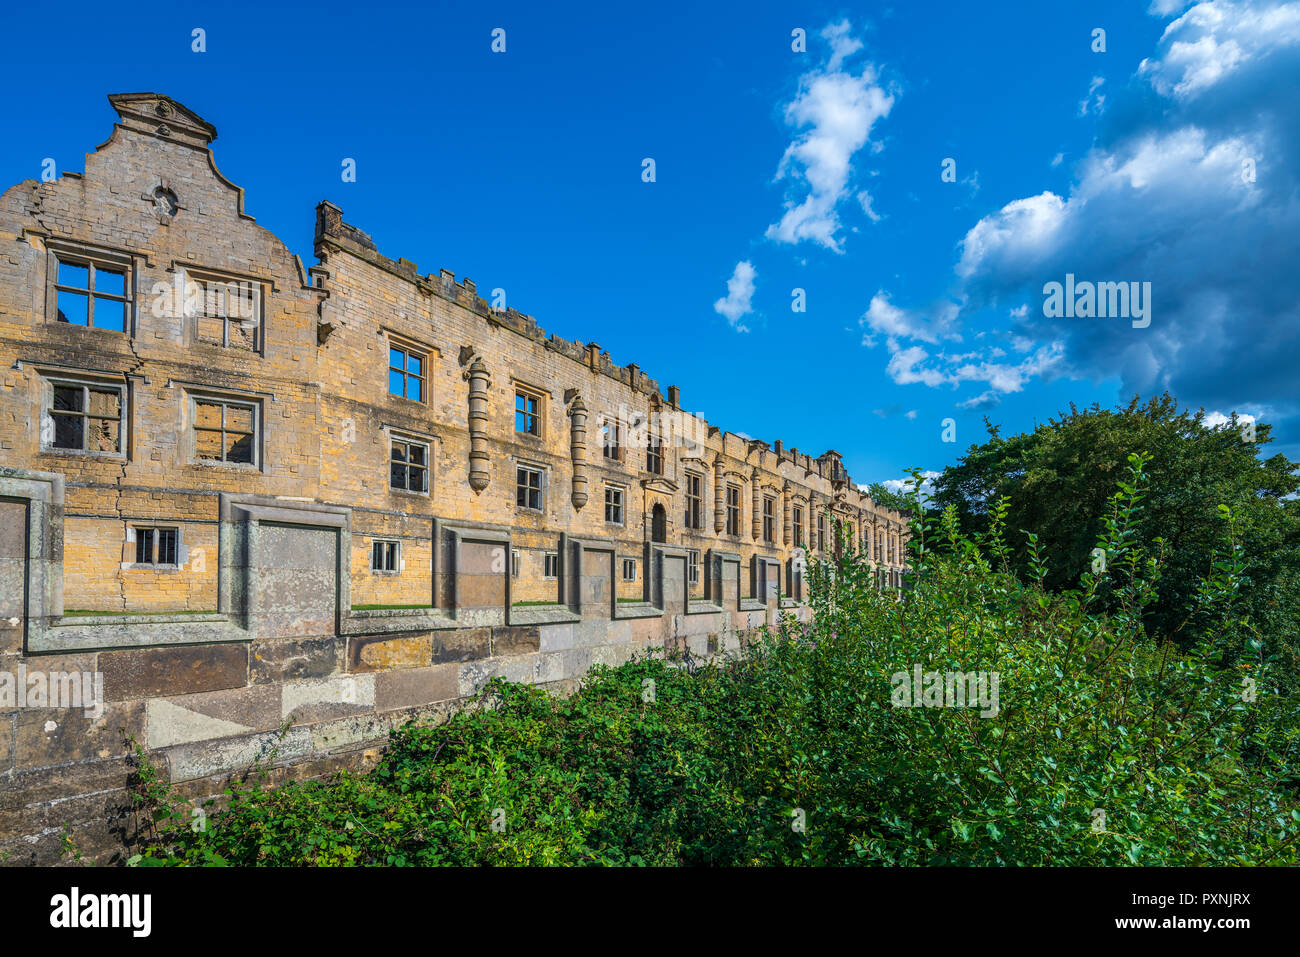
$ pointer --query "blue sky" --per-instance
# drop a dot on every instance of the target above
(775, 170)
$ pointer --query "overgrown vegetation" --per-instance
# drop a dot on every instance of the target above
(1107, 747)
(1056, 480)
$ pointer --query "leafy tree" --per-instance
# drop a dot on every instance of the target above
(1058, 477)
(883, 495)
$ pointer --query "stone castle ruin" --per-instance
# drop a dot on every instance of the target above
(240, 492)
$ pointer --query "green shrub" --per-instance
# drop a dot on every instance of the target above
(1105, 748)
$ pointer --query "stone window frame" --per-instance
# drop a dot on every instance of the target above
(106, 382)
(96, 257)
(196, 394)
(395, 554)
(694, 500)
(620, 505)
(156, 547)
(796, 525)
(615, 427)
(516, 562)
(654, 452)
(541, 471)
(733, 510)
(821, 532)
(408, 347)
(769, 519)
(538, 396)
(204, 276)
(627, 563)
(550, 566)
(692, 566)
(398, 436)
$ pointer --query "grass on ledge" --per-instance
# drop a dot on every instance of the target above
(83, 612)
(388, 607)
(534, 604)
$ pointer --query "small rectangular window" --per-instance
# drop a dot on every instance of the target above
(609, 439)
(821, 533)
(144, 546)
(514, 562)
(409, 466)
(797, 520)
(613, 505)
(156, 546)
(528, 487)
(229, 312)
(769, 519)
(551, 565)
(693, 566)
(385, 556)
(654, 455)
(225, 431)
(527, 416)
(694, 501)
(733, 510)
(629, 569)
(85, 417)
(406, 373)
(91, 292)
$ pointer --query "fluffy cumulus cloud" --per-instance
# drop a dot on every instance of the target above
(836, 107)
(738, 302)
(1193, 185)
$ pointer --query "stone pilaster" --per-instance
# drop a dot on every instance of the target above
(578, 450)
(719, 502)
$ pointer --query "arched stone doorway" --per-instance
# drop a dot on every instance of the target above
(659, 524)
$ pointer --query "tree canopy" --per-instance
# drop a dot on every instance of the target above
(1056, 480)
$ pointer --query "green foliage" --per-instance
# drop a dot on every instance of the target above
(881, 495)
(1106, 747)
(1058, 478)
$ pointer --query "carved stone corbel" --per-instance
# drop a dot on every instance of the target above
(719, 505)
(578, 450)
(785, 514)
(479, 382)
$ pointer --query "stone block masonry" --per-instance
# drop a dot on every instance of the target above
(242, 493)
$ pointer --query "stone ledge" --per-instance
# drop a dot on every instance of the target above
(703, 607)
(638, 609)
(388, 620)
(543, 615)
(137, 631)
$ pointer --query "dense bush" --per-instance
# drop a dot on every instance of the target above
(1057, 479)
(1105, 749)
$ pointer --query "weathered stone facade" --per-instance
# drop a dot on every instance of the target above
(241, 492)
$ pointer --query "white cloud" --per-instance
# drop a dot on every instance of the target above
(903, 486)
(884, 318)
(740, 293)
(1215, 419)
(839, 108)
(1057, 159)
(987, 399)
(1212, 40)
(909, 365)
(864, 200)
(1191, 185)
(1018, 232)
(1094, 101)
